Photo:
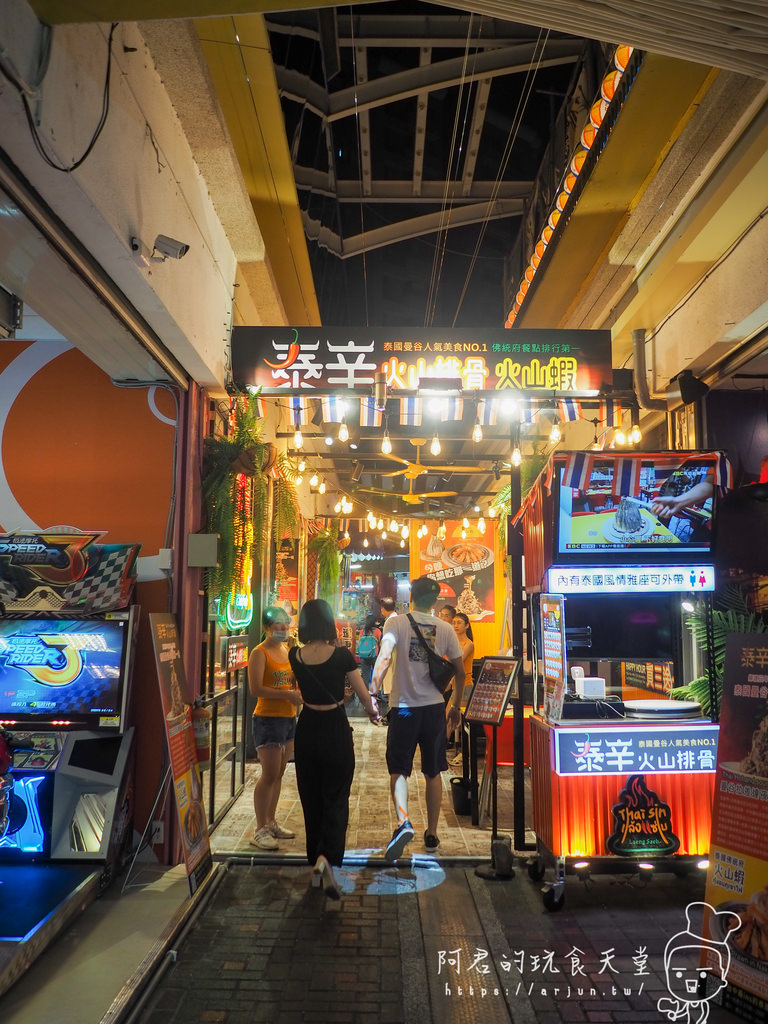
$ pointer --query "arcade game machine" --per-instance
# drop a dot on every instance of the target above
(66, 768)
(622, 776)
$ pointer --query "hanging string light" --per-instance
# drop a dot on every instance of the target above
(480, 525)
(554, 434)
(314, 480)
(321, 488)
(441, 531)
(477, 432)
(302, 465)
(343, 432)
(405, 532)
(517, 457)
(298, 440)
(635, 434)
(394, 525)
(435, 446)
(465, 523)
(386, 444)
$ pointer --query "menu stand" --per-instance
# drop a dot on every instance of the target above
(496, 684)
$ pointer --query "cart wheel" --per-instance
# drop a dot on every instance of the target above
(552, 901)
(536, 870)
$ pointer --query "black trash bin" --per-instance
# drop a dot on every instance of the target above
(460, 794)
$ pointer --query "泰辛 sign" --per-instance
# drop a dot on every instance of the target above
(488, 359)
(601, 750)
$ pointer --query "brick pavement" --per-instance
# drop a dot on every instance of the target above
(425, 942)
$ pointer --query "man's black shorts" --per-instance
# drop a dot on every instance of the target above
(422, 727)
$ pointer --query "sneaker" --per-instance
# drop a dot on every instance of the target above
(280, 831)
(264, 840)
(402, 835)
(431, 842)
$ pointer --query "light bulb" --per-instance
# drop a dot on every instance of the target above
(321, 488)
(380, 524)
(365, 542)
(383, 534)
(405, 532)
(463, 534)
(314, 480)
(298, 440)
(620, 437)
(477, 432)
(299, 480)
(393, 525)
(337, 507)
(635, 434)
(386, 444)
(343, 432)
(328, 440)
(402, 543)
(435, 446)
(302, 466)
(481, 525)
(491, 511)
(517, 458)
(346, 535)
(554, 434)
(465, 523)
(441, 531)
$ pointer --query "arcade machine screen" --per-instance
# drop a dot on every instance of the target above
(637, 511)
(63, 669)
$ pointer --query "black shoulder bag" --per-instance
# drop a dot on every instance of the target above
(441, 671)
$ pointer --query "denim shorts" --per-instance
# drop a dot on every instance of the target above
(273, 730)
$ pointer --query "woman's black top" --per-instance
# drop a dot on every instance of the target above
(331, 674)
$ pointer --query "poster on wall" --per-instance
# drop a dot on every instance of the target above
(463, 566)
(185, 771)
(737, 878)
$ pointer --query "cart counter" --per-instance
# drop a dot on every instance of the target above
(624, 788)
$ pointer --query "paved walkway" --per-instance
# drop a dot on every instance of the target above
(422, 942)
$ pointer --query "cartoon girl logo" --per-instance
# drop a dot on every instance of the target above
(690, 981)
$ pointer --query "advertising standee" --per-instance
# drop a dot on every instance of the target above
(185, 771)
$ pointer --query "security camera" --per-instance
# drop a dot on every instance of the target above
(170, 247)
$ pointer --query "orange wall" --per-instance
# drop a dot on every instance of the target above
(78, 451)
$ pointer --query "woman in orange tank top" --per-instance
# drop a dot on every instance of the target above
(271, 682)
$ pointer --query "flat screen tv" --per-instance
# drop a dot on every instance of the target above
(647, 511)
(64, 669)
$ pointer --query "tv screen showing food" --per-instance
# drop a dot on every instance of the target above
(636, 510)
(62, 668)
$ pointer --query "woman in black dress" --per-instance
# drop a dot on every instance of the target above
(324, 753)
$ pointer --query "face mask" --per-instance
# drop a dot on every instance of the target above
(280, 635)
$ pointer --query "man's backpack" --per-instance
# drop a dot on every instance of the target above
(367, 647)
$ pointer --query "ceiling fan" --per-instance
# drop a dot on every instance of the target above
(412, 470)
(410, 498)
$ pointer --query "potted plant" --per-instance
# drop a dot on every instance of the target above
(731, 615)
(323, 551)
(234, 489)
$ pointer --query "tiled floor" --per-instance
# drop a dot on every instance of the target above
(372, 818)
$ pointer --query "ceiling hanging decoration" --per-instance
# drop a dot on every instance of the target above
(564, 193)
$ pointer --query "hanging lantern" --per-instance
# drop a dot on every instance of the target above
(621, 57)
(529, 272)
(588, 135)
(511, 319)
(546, 234)
(570, 181)
(519, 297)
(609, 85)
(535, 261)
(553, 218)
(540, 248)
(577, 160)
(561, 200)
(524, 286)
(597, 112)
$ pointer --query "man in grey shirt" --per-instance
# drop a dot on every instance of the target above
(418, 714)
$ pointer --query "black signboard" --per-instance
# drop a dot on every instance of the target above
(496, 684)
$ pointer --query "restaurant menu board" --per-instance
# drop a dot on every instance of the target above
(496, 684)
(737, 878)
(553, 651)
(185, 771)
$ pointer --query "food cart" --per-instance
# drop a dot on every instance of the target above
(622, 776)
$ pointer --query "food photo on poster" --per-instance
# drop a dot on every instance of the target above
(464, 568)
